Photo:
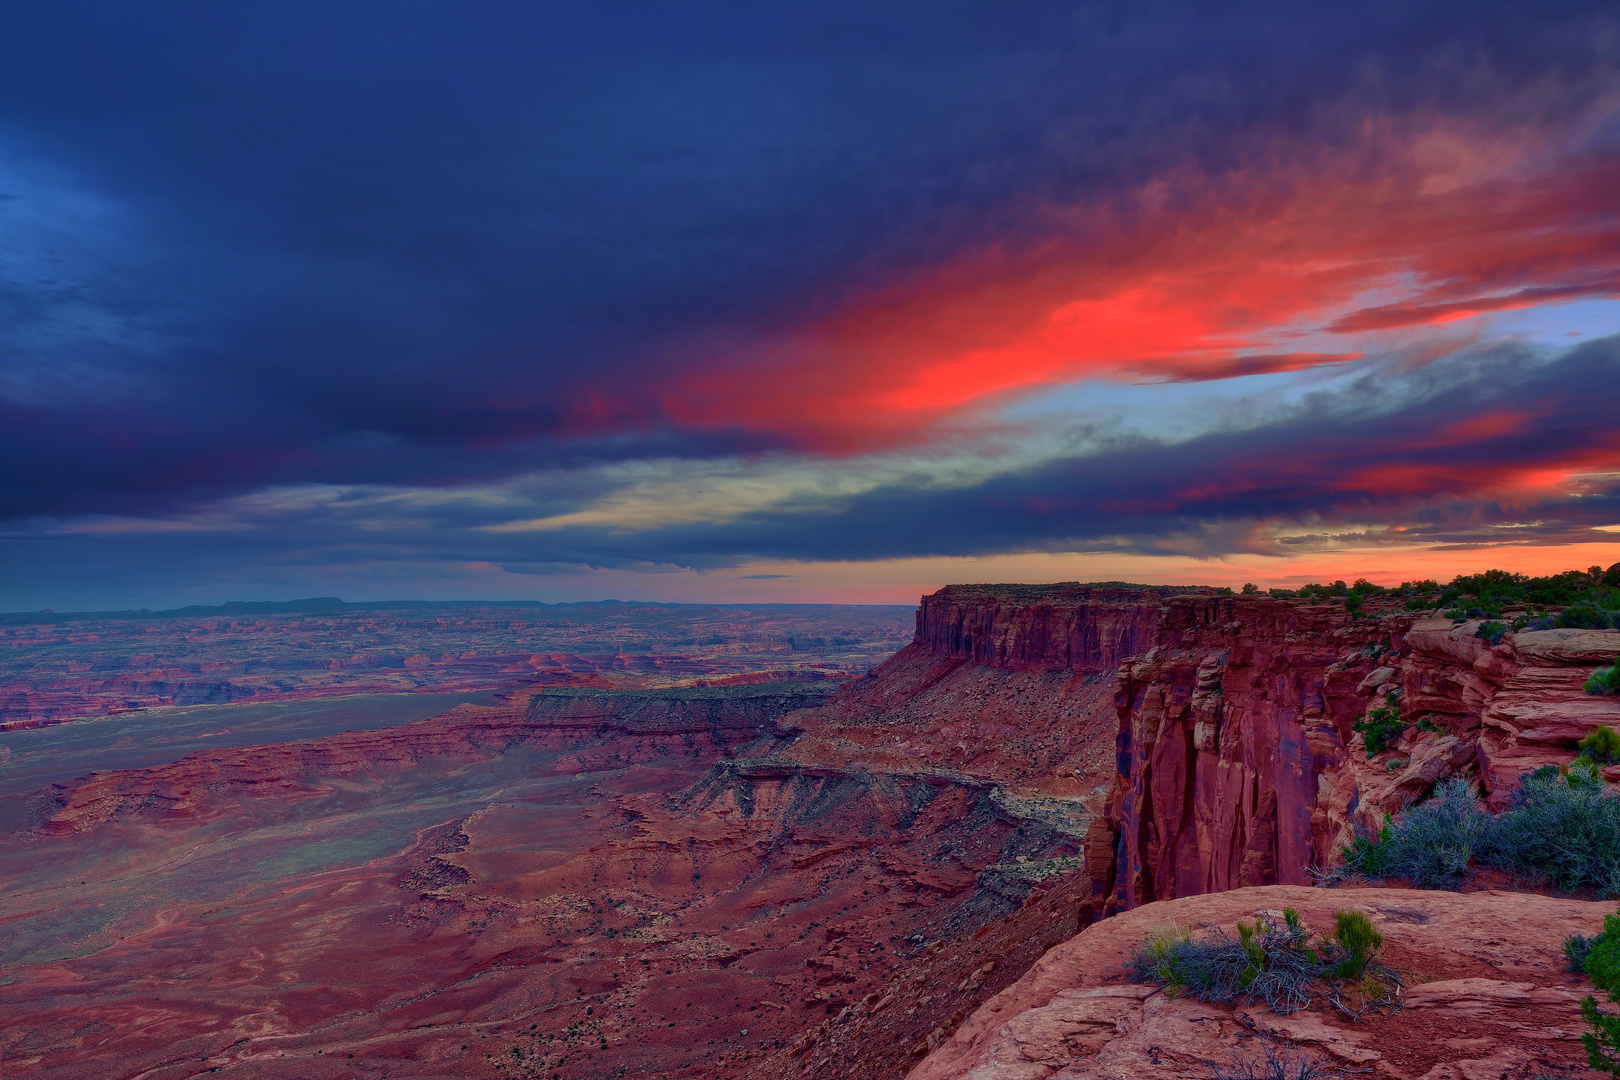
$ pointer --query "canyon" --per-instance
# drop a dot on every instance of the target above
(772, 877)
(56, 667)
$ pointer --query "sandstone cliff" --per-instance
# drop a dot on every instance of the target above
(1044, 627)
(1489, 997)
(1237, 759)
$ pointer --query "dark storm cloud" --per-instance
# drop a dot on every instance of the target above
(1456, 452)
(1453, 453)
(431, 243)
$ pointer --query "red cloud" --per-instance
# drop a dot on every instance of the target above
(1188, 279)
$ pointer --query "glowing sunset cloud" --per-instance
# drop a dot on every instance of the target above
(1193, 279)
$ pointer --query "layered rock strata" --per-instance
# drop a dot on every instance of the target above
(576, 882)
(1044, 627)
(1238, 762)
(1489, 997)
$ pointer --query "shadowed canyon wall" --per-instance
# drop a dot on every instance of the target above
(1237, 759)
(1044, 627)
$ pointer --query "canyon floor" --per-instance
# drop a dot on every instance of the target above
(575, 882)
(56, 666)
(609, 873)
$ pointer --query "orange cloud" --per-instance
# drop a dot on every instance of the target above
(1191, 278)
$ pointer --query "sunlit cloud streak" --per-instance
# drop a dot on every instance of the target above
(1206, 278)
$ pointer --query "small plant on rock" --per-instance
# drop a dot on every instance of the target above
(1382, 727)
(1273, 1063)
(1605, 680)
(1602, 964)
(1276, 964)
(1492, 633)
(1602, 746)
(1358, 937)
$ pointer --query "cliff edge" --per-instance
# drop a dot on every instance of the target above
(1487, 999)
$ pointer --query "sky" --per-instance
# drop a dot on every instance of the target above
(801, 302)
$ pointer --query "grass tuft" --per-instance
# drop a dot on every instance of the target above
(1277, 964)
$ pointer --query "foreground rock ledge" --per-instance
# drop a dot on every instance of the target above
(1488, 999)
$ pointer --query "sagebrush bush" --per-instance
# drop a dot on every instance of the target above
(1604, 681)
(1586, 616)
(1565, 826)
(1273, 963)
(1432, 842)
(1602, 746)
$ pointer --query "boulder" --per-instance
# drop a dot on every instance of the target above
(1488, 997)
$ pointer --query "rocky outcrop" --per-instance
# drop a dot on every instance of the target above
(1490, 997)
(1044, 627)
(1238, 762)
(205, 783)
(737, 711)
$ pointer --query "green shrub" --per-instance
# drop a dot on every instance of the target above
(1605, 680)
(1586, 616)
(1577, 947)
(1492, 632)
(1602, 746)
(1382, 727)
(1602, 964)
(1564, 826)
(1457, 615)
(1360, 940)
(1277, 964)
(1368, 853)
(1433, 842)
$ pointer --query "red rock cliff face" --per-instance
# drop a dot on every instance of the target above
(1226, 724)
(1043, 627)
(1237, 762)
